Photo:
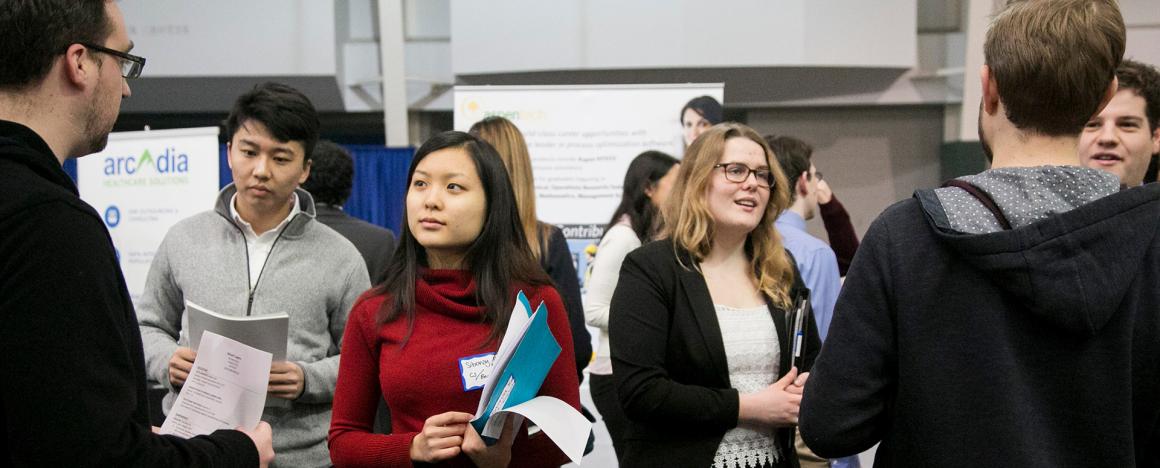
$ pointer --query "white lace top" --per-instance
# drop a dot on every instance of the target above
(753, 354)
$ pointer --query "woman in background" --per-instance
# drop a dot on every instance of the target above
(698, 115)
(700, 342)
(636, 220)
(546, 241)
(446, 302)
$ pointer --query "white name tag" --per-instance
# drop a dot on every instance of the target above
(474, 370)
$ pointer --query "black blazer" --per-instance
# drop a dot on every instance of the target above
(556, 259)
(669, 362)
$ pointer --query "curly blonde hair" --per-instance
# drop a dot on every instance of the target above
(690, 226)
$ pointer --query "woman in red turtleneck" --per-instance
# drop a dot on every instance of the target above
(445, 302)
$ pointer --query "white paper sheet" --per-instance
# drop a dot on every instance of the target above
(225, 390)
(558, 420)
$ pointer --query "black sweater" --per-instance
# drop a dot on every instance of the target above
(556, 259)
(72, 379)
(1038, 346)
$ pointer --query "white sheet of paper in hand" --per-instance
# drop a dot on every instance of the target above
(225, 389)
(558, 420)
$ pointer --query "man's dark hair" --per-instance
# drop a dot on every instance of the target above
(1052, 61)
(793, 155)
(1144, 80)
(35, 32)
(331, 174)
(287, 114)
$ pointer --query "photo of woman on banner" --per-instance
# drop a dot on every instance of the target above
(423, 340)
(698, 115)
(699, 321)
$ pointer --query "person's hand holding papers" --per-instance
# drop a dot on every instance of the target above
(441, 438)
(774, 406)
(498, 455)
(286, 380)
(180, 365)
(799, 384)
(263, 437)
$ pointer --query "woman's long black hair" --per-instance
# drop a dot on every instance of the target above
(498, 259)
(643, 173)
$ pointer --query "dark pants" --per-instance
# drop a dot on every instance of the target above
(603, 389)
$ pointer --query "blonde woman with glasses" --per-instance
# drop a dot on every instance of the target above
(700, 344)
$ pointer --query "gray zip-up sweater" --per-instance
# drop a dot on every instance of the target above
(312, 273)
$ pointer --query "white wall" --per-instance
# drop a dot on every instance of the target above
(231, 38)
(531, 35)
(1143, 20)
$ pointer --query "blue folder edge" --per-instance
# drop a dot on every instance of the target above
(529, 365)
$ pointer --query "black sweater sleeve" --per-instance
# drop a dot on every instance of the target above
(848, 396)
(558, 264)
(72, 378)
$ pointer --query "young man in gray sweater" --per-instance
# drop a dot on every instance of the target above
(260, 251)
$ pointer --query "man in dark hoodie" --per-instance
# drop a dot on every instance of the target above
(1013, 318)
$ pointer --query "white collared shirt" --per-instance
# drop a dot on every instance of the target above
(258, 246)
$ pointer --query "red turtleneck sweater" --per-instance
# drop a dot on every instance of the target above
(423, 378)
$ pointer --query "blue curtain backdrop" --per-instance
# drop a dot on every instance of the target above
(380, 182)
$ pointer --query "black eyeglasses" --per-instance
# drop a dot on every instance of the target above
(738, 173)
(131, 65)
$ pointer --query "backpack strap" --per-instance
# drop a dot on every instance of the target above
(983, 198)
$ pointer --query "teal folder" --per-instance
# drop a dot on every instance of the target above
(521, 378)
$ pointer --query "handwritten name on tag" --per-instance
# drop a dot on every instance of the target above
(474, 370)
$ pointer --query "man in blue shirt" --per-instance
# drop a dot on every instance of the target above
(814, 258)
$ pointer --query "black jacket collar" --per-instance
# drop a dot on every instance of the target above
(26, 147)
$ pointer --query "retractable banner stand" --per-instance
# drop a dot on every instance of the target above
(581, 139)
(145, 182)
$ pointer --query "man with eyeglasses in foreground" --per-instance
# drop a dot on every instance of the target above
(72, 377)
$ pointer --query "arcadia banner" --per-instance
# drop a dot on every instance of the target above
(145, 182)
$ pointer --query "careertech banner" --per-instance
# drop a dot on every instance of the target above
(145, 182)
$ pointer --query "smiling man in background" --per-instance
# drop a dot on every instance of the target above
(1125, 135)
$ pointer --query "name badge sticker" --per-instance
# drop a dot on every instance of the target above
(474, 370)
